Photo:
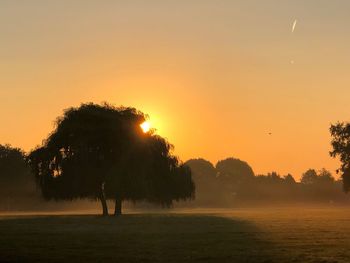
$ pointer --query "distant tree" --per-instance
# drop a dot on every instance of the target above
(204, 177)
(234, 176)
(234, 170)
(15, 177)
(309, 177)
(202, 168)
(274, 188)
(274, 177)
(340, 133)
(325, 177)
(100, 152)
(289, 179)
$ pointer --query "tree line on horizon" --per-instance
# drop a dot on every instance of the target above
(232, 182)
(229, 183)
(99, 152)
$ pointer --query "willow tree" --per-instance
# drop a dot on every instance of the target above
(100, 152)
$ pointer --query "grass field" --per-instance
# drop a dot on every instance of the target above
(242, 235)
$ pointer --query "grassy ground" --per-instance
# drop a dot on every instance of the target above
(244, 235)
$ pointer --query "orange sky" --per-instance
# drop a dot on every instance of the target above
(215, 76)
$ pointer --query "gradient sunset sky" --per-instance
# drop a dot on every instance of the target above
(216, 77)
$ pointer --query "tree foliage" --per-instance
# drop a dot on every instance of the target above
(340, 133)
(234, 170)
(13, 167)
(15, 177)
(101, 152)
(309, 177)
(204, 176)
(271, 188)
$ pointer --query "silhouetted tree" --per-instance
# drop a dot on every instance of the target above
(340, 133)
(309, 177)
(100, 152)
(204, 174)
(216, 187)
(15, 177)
(274, 177)
(273, 187)
(234, 176)
(234, 170)
(202, 168)
(325, 177)
(289, 179)
(151, 173)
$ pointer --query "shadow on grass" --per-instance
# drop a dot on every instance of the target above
(131, 238)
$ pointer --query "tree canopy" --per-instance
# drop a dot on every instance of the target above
(340, 133)
(15, 177)
(12, 164)
(204, 176)
(100, 152)
(234, 169)
(309, 177)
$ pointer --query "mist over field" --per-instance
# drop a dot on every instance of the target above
(231, 183)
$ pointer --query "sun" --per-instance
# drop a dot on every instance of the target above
(145, 126)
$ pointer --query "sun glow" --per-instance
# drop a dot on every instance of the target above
(145, 126)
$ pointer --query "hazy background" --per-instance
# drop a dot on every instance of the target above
(215, 76)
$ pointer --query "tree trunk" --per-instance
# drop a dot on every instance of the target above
(104, 205)
(103, 201)
(118, 207)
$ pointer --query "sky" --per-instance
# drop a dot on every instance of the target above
(215, 77)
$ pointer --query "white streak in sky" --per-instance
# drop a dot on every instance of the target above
(294, 25)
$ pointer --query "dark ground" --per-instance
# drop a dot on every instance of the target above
(244, 235)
